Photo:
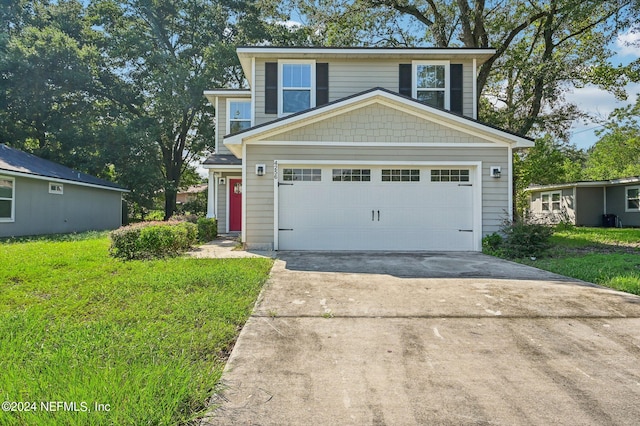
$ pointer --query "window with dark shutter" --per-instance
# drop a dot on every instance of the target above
(405, 86)
(322, 84)
(455, 100)
(271, 88)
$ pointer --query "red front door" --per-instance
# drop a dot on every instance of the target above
(235, 205)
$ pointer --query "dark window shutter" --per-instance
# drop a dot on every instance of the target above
(271, 88)
(322, 84)
(455, 94)
(405, 80)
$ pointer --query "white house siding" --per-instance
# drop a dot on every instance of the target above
(78, 209)
(260, 189)
(348, 77)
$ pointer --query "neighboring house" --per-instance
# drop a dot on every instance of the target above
(38, 196)
(359, 149)
(602, 203)
(191, 193)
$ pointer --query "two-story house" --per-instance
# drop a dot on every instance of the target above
(359, 149)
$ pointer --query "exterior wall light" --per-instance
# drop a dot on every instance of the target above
(261, 169)
(495, 172)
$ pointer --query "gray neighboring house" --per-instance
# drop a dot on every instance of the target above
(600, 203)
(38, 196)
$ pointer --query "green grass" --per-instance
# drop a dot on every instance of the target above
(148, 338)
(606, 256)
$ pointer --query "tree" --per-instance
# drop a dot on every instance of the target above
(617, 153)
(169, 52)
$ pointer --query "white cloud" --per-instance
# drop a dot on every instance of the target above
(628, 43)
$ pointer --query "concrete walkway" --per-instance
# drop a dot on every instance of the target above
(431, 339)
(226, 247)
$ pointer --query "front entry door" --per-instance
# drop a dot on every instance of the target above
(235, 205)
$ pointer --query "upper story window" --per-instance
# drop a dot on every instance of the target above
(432, 85)
(238, 115)
(296, 86)
(7, 199)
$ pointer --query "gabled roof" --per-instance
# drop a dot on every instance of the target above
(588, 184)
(377, 94)
(19, 163)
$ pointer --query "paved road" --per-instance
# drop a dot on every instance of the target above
(431, 339)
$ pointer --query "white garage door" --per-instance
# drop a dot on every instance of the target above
(375, 208)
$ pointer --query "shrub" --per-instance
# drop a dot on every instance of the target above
(491, 244)
(523, 239)
(207, 229)
(149, 240)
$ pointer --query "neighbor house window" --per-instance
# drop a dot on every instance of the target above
(551, 201)
(56, 188)
(7, 199)
(297, 86)
(239, 115)
(431, 85)
(633, 198)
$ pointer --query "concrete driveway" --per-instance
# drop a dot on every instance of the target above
(431, 339)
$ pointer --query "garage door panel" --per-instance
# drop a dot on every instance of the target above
(376, 215)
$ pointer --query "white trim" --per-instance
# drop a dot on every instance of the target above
(510, 181)
(474, 89)
(56, 191)
(477, 185)
(228, 113)
(312, 81)
(366, 51)
(626, 198)
(228, 190)
(13, 200)
(384, 144)
(252, 84)
(51, 179)
(228, 93)
(276, 205)
(225, 167)
(217, 131)
(447, 80)
(212, 198)
(243, 220)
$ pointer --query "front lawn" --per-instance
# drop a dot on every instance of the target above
(605, 256)
(145, 340)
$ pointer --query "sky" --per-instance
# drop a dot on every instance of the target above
(599, 102)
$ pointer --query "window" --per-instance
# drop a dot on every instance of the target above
(352, 175)
(305, 175)
(633, 198)
(7, 192)
(238, 115)
(297, 86)
(449, 175)
(56, 188)
(551, 201)
(399, 175)
(432, 83)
